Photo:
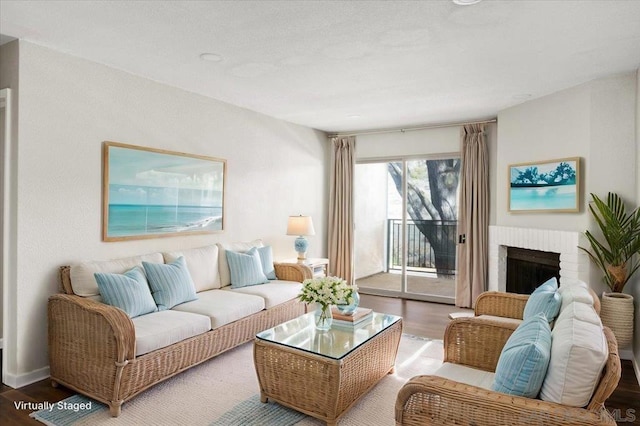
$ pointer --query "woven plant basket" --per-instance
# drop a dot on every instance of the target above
(617, 313)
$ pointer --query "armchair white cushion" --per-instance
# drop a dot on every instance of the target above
(579, 352)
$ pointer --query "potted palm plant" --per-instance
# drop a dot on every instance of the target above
(616, 256)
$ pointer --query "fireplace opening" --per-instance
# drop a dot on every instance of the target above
(527, 269)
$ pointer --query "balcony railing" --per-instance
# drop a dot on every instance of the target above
(422, 256)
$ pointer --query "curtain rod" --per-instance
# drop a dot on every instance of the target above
(410, 129)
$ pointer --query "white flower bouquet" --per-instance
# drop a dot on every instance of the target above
(326, 291)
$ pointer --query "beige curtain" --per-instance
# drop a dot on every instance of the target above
(340, 230)
(473, 220)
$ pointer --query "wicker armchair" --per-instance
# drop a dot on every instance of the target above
(477, 343)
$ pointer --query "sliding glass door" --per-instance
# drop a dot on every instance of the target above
(405, 220)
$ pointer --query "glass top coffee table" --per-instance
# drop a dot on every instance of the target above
(323, 373)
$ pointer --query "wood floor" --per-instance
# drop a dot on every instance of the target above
(420, 318)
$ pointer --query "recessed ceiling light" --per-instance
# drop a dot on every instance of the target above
(355, 116)
(465, 2)
(211, 57)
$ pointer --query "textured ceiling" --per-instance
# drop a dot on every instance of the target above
(347, 65)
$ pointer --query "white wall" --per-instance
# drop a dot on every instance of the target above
(409, 143)
(595, 121)
(555, 126)
(9, 66)
(69, 106)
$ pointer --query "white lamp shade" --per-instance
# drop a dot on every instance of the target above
(300, 225)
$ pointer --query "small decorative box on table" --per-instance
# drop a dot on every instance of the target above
(322, 374)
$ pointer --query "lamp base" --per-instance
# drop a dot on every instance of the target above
(301, 244)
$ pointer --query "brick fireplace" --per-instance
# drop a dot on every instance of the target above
(574, 264)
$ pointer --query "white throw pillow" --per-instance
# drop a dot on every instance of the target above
(574, 293)
(202, 263)
(83, 281)
(579, 352)
(568, 282)
(223, 265)
(580, 311)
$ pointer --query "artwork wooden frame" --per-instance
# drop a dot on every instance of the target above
(545, 186)
(151, 193)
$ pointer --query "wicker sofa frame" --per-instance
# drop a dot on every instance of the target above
(92, 345)
(477, 343)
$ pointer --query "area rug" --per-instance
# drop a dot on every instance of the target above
(224, 392)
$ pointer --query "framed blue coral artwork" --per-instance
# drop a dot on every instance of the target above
(150, 193)
(545, 186)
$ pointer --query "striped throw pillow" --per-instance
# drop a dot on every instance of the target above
(170, 283)
(245, 268)
(524, 360)
(129, 291)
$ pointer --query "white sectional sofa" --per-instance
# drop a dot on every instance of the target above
(112, 346)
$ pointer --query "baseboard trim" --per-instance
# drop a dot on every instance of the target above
(20, 380)
(636, 368)
(625, 354)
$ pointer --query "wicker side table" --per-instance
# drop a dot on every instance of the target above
(320, 386)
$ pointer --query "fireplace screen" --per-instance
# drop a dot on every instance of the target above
(527, 269)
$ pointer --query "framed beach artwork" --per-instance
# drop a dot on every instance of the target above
(150, 193)
(545, 186)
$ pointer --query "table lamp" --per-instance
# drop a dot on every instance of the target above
(300, 226)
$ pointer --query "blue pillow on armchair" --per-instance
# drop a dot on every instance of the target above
(545, 299)
(525, 358)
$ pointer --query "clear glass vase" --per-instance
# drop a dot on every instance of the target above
(351, 308)
(323, 317)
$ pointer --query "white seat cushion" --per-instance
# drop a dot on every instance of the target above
(273, 293)
(223, 307)
(160, 329)
(202, 263)
(84, 283)
(463, 374)
(579, 351)
(574, 293)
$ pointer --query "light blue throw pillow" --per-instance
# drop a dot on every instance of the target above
(544, 299)
(266, 259)
(245, 268)
(524, 360)
(129, 291)
(170, 283)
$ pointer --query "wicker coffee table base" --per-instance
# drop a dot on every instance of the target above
(319, 386)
